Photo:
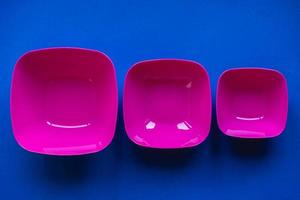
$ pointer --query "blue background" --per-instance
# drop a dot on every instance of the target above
(218, 34)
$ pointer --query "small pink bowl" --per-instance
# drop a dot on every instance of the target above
(64, 101)
(252, 103)
(167, 103)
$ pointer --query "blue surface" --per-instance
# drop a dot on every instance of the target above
(218, 34)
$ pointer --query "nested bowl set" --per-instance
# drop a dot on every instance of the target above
(64, 101)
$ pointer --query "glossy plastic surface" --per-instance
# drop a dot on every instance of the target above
(64, 101)
(167, 103)
(252, 103)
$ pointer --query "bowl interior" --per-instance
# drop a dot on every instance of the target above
(167, 103)
(252, 103)
(64, 101)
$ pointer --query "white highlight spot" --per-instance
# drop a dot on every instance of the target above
(250, 118)
(184, 126)
(65, 126)
(150, 125)
(140, 140)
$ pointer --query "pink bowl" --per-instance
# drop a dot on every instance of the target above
(167, 103)
(252, 102)
(64, 101)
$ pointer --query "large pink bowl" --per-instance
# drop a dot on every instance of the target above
(167, 103)
(252, 103)
(64, 101)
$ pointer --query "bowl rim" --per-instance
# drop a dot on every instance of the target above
(203, 70)
(275, 71)
(52, 49)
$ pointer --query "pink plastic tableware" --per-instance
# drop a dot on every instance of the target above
(252, 103)
(64, 101)
(167, 103)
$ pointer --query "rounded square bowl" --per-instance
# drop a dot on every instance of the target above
(252, 102)
(64, 101)
(167, 103)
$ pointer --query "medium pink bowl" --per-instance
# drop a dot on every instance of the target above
(252, 102)
(64, 101)
(167, 103)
